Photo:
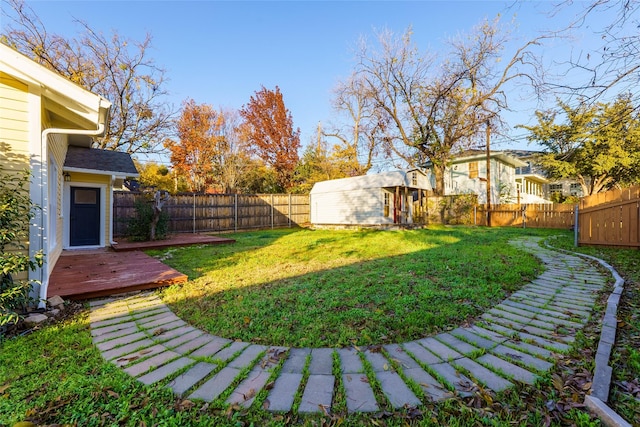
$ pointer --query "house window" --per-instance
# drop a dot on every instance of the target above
(386, 204)
(555, 188)
(414, 179)
(473, 170)
(575, 189)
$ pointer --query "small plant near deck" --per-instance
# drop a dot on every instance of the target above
(140, 226)
(16, 209)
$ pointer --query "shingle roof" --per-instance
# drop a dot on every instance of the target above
(100, 160)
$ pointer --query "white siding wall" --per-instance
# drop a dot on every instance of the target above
(363, 206)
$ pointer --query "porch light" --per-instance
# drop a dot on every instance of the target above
(67, 176)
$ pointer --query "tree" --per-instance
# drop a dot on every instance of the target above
(258, 179)
(233, 157)
(269, 130)
(598, 145)
(614, 66)
(359, 135)
(160, 177)
(193, 155)
(427, 111)
(117, 68)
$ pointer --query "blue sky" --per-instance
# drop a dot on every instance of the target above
(222, 52)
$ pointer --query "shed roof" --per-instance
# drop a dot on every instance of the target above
(93, 160)
(397, 178)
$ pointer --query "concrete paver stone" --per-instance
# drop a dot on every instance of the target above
(183, 382)
(318, 394)
(359, 394)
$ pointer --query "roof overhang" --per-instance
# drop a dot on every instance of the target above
(533, 177)
(67, 104)
(505, 158)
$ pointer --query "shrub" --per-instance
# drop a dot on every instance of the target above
(139, 226)
(16, 209)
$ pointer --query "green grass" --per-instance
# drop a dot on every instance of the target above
(337, 288)
(56, 376)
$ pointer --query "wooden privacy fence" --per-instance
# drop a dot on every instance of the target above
(611, 218)
(193, 213)
(547, 215)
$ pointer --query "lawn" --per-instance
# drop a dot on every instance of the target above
(303, 288)
(56, 375)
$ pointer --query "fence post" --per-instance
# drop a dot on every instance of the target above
(272, 209)
(235, 213)
(194, 213)
(575, 226)
(289, 210)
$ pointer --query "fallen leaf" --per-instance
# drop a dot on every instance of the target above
(159, 331)
(266, 404)
(113, 394)
(250, 394)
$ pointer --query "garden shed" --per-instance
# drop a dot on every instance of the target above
(382, 199)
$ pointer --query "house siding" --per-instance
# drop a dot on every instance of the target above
(14, 122)
(14, 132)
(57, 150)
(501, 174)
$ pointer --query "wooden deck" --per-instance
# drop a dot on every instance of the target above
(183, 239)
(82, 274)
(88, 274)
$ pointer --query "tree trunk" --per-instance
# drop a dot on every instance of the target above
(438, 173)
(159, 200)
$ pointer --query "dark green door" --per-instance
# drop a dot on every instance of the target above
(84, 221)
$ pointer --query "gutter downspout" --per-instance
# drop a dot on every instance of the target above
(42, 274)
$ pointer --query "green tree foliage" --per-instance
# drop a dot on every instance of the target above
(317, 164)
(155, 175)
(597, 145)
(16, 209)
(258, 178)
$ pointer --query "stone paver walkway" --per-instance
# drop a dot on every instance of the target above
(513, 342)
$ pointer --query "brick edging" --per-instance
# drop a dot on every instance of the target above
(597, 401)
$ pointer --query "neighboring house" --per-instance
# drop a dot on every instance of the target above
(387, 198)
(532, 184)
(536, 180)
(46, 125)
(467, 174)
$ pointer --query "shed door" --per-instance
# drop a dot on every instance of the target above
(84, 221)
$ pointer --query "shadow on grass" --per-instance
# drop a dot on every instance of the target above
(335, 288)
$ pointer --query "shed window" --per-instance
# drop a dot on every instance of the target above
(473, 170)
(414, 179)
(386, 205)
